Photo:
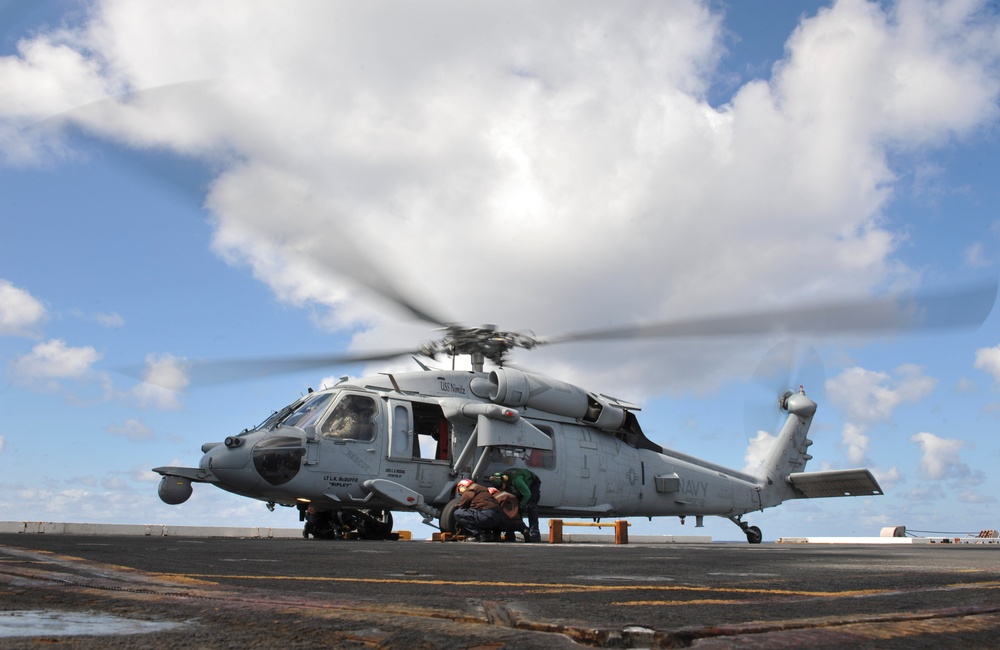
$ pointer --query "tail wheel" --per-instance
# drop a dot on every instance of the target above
(377, 524)
(754, 536)
(447, 521)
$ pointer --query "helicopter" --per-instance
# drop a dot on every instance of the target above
(401, 441)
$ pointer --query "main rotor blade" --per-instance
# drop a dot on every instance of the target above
(932, 311)
(148, 160)
(221, 371)
(361, 269)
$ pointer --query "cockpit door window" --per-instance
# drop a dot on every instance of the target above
(353, 418)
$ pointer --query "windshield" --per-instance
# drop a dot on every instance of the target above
(307, 412)
(273, 419)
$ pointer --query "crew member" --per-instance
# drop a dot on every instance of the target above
(527, 486)
(512, 522)
(323, 524)
(477, 511)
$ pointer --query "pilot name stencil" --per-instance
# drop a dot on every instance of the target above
(341, 481)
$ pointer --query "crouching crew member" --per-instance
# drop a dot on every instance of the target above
(477, 512)
(512, 522)
(523, 483)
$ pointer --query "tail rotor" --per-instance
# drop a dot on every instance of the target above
(788, 366)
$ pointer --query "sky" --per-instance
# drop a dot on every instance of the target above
(191, 180)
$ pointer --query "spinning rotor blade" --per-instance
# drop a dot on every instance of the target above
(213, 372)
(360, 269)
(207, 373)
(148, 159)
(788, 365)
(931, 311)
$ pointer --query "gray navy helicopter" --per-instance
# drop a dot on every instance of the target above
(401, 441)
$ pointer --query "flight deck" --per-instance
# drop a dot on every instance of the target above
(98, 591)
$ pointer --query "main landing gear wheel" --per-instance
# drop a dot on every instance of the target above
(447, 521)
(377, 524)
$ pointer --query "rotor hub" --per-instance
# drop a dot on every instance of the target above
(483, 342)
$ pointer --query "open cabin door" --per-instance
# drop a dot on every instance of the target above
(419, 437)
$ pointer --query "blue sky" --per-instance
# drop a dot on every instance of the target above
(191, 182)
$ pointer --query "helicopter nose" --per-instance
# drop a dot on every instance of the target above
(278, 459)
(234, 453)
(230, 462)
(241, 461)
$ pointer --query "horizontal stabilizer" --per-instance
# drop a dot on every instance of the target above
(835, 483)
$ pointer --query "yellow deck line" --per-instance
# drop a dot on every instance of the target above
(544, 587)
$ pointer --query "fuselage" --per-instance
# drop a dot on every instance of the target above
(415, 431)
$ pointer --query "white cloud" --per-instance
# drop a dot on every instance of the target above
(113, 483)
(757, 451)
(965, 385)
(132, 429)
(988, 360)
(104, 499)
(888, 478)
(975, 256)
(20, 312)
(51, 361)
(867, 396)
(923, 494)
(940, 457)
(111, 320)
(143, 474)
(856, 440)
(3, 443)
(914, 69)
(534, 159)
(163, 379)
(976, 498)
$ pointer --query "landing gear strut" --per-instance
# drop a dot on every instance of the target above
(754, 536)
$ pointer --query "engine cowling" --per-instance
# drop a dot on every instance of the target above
(510, 387)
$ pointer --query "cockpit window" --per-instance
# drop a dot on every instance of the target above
(308, 411)
(276, 417)
(352, 419)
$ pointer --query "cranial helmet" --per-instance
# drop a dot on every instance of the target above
(464, 483)
(497, 479)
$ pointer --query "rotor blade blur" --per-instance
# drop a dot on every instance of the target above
(189, 180)
(226, 371)
(932, 311)
(223, 371)
(359, 268)
(183, 175)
